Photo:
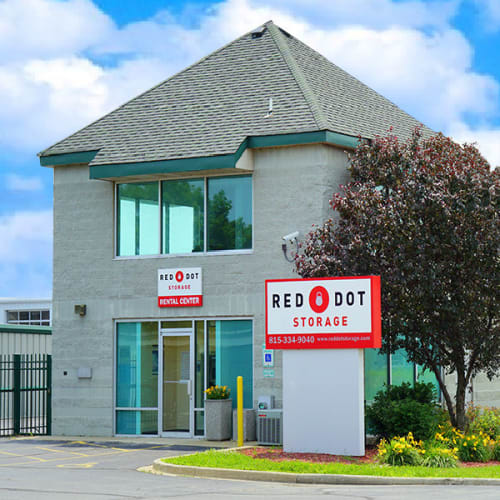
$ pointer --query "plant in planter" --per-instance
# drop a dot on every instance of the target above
(218, 408)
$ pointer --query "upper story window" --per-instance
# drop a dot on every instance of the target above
(184, 216)
(38, 317)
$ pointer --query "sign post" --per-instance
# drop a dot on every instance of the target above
(323, 325)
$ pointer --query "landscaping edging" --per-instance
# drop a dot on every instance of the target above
(288, 477)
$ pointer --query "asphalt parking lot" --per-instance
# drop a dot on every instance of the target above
(82, 454)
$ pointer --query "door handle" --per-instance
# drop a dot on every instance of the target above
(189, 388)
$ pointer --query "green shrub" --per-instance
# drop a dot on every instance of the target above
(438, 456)
(495, 452)
(398, 410)
(400, 451)
(474, 448)
(484, 419)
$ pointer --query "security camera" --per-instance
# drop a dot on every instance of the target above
(291, 236)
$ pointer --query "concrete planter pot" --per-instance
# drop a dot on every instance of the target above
(218, 419)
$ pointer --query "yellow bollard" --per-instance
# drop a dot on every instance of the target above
(240, 410)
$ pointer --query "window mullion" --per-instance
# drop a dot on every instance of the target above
(205, 215)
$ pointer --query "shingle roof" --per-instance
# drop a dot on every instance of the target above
(210, 107)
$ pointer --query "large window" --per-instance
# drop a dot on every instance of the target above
(138, 219)
(191, 215)
(137, 378)
(38, 317)
(392, 369)
(229, 213)
(183, 216)
(230, 345)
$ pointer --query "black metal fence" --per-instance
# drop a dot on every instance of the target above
(25, 394)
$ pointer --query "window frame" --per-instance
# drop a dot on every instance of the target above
(193, 320)
(30, 321)
(205, 252)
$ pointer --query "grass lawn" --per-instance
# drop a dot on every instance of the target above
(236, 460)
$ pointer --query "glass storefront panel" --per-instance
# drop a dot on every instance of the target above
(199, 364)
(137, 365)
(183, 216)
(401, 369)
(230, 346)
(426, 377)
(229, 213)
(177, 324)
(138, 219)
(199, 423)
(176, 380)
(137, 422)
(375, 372)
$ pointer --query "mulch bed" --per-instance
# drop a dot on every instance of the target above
(278, 455)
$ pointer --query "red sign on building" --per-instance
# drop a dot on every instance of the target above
(180, 287)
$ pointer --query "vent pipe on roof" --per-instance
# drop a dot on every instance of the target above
(270, 110)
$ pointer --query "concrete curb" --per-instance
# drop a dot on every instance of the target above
(288, 477)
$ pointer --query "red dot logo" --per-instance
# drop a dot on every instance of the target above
(319, 299)
(179, 276)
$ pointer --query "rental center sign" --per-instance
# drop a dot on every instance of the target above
(180, 287)
(323, 313)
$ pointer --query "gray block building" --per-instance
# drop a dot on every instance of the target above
(169, 214)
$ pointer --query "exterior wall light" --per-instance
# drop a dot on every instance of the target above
(81, 309)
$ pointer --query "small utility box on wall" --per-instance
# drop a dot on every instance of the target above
(323, 325)
(84, 372)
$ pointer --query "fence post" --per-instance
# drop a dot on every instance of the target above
(49, 395)
(17, 394)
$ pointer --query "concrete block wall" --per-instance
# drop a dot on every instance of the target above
(291, 189)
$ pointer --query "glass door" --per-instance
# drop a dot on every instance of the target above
(176, 390)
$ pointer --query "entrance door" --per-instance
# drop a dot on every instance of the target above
(177, 384)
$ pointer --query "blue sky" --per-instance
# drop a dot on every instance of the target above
(64, 63)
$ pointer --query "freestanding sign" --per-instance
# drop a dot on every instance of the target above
(180, 287)
(323, 325)
(323, 313)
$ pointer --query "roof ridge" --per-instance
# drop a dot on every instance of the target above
(313, 103)
(41, 153)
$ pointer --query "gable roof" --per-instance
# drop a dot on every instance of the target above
(211, 107)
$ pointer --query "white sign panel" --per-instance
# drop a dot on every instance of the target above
(323, 313)
(180, 287)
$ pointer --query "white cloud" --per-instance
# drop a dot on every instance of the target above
(20, 230)
(26, 254)
(487, 140)
(18, 183)
(428, 75)
(378, 14)
(49, 28)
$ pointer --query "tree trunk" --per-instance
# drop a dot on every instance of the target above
(460, 403)
(447, 398)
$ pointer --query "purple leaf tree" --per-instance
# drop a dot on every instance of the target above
(424, 215)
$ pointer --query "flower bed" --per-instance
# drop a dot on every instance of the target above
(370, 457)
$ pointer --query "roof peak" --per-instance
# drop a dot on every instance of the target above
(277, 35)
